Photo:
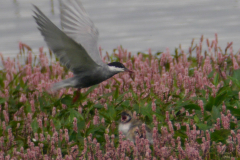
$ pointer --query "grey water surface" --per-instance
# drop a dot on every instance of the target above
(137, 25)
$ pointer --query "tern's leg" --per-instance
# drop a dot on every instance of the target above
(78, 94)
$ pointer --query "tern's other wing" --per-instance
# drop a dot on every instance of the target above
(70, 53)
(77, 24)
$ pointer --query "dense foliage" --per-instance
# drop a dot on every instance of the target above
(191, 99)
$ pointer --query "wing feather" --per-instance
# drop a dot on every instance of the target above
(77, 24)
(70, 53)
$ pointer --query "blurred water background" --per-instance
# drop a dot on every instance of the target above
(137, 25)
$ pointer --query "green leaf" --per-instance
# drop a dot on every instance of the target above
(84, 95)
(191, 72)
(16, 90)
(74, 113)
(99, 106)
(1, 82)
(235, 81)
(203, 126)
(57, 124)
(211, 74)
(40, 100)
(28, 108)
(158, 53)
(215, 113)
(191, 107)
(81, 125)
(220, 135)
(196, 119)
(94, 129)
(236, 74)
(216, 79)
(34, 125)
(146, 111)
(220, 98)
(210, 103)
(232, 125)
(67, 100)
(206, 116)
(116, 93)
(112, 112)
(126, 105)
(2, 100)
(234, 111)
(181, 134)
(236, 78)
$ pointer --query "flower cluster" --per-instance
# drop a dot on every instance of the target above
(190, 100)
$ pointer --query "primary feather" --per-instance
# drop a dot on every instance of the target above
(77, 24)
(70, 53)
(76, 46)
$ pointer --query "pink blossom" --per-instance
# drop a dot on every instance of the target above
(75, 127)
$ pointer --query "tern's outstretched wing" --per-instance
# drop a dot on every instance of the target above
(70, 53)
(77, 24)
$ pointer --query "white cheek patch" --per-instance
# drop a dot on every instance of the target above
(115, 69)
(124, 128)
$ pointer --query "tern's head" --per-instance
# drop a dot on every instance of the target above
(126, 117)
(117, 67)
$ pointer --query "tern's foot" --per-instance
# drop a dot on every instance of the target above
(77, 96)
